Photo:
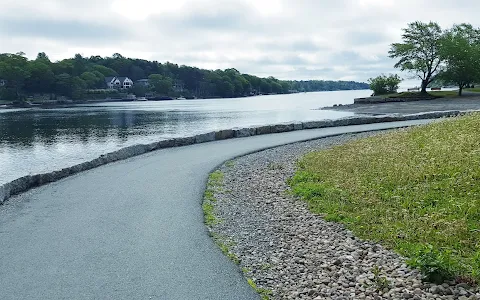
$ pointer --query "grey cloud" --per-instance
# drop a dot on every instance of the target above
(303, 45)
(365, 38)
(62, 30)
(342, 38)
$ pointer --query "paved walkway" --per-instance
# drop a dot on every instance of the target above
(129, 230)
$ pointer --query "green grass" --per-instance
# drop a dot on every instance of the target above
(416, 191)
(475, 90)
(418, 94)
(225, 244)
(230, 164)
(264, 294)
(215, 182)
(444, 93)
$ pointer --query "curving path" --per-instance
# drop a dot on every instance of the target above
(131, 229)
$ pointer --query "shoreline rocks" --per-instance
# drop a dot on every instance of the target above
(294, 254)
(26, 183)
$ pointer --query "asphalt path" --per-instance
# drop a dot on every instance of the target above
(130, 230)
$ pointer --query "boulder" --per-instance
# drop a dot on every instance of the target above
(20, 185)
(184, 141)
(205, 137)
(3, 194)
(166, 144)
(244, 132)
(264, 129)
(318, 124)
(224, 134)
(282, 128)
(297, 126)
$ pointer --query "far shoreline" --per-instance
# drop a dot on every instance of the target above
(71, 103)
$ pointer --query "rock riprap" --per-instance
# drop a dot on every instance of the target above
(291, 253)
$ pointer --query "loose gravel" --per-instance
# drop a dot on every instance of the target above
(294, 254)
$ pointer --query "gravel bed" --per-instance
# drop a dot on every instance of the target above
(295, 254)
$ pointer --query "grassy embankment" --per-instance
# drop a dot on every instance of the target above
(416, 191)
(436, 94)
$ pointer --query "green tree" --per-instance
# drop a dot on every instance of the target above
(78, 88)
(160, 84)
(41, 77)
(139, 90)
(461, 51)
(63, 84)
(43, 57)
(107, 72)
(92, 80)
(419, 53)
(13, 69)
(383, 84)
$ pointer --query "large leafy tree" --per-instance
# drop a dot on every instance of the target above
(419, 52)
(41, 77)
(461, 51)
(14, 69)
(160, 84)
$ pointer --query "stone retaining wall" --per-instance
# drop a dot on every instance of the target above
(375, 100)
(25, 183)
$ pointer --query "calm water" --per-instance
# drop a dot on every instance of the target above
(40, 140)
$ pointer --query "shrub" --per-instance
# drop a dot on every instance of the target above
(383, 84)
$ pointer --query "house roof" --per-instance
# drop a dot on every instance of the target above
(122, 79)
(109, 79)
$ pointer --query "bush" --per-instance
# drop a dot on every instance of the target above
(436, 265)
(384, 84)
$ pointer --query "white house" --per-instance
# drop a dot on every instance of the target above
(118, 82)
(3, 82)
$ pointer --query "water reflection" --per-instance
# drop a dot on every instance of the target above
(34, 141)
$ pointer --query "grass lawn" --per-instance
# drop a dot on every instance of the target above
(444, 93)
(476, 90)
(418, 94)
(416, 191)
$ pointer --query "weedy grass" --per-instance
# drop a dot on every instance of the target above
(264, 293)
(215, 183)
(225, 245)
(439, 94)
(230, 164)
(416, 191)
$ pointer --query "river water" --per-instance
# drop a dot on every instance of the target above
(35, 141)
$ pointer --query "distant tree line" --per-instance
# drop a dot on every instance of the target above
(434, 56)
(82, 77)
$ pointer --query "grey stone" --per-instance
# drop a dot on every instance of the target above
(244, 132)
(224, 134)
(298, 126)
(205, 137)
(20, 185)
(166, 144)
(184, 141)
(3, 194)
(264, 129)
(282, 128)
(151, 147)
(311, 124)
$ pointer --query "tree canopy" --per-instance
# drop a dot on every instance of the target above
(461, 52)
(419, 52)
(75, 77)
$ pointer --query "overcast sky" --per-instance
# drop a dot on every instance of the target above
(288, 39)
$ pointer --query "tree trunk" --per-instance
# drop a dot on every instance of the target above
(460, 89)
(424, 86)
